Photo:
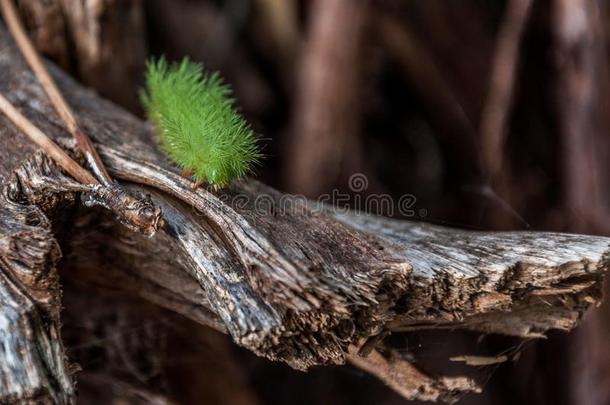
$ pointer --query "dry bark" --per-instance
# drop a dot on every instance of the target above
(289, 279)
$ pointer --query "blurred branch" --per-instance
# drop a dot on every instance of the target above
(45, 23)
(280, 19)
(583, 110)
(455, 130)
(496, 109)
(326, 113)
(505, 65)
(104, 39)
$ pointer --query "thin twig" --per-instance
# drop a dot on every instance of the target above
(45, 143)
(61, 106)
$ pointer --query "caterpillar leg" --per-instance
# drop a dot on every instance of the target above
(198, 184)
(186, 174)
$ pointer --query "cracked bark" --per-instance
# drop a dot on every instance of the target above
(288, 279)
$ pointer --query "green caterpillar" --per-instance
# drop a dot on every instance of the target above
(197, 124)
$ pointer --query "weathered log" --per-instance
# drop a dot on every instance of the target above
(287, 278)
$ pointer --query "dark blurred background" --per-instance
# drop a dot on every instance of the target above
(493, 114)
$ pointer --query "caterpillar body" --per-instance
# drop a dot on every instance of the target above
(197, 124)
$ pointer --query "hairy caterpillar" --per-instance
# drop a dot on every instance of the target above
(197, 124)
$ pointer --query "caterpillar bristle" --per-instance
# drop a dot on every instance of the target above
(197, 124)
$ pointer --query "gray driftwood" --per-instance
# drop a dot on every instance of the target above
(288, 279)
